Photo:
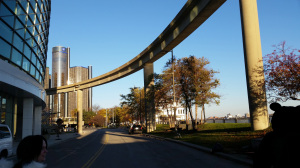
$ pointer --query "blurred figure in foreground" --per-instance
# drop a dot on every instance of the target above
(280, 148)
(31, 152)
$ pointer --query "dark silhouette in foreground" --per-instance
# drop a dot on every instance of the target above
(280, 148)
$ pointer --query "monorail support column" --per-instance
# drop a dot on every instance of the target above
(79, 111)
(149, 97)
(254, 67)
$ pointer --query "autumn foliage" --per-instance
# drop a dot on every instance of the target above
(282, 73)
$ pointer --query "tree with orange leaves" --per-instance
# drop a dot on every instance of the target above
(282, 73)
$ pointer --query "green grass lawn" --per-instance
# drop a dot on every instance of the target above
(232, 136)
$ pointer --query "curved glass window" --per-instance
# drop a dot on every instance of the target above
(10, 4)
(24, 30)
(26, 64)
(4, 11)
(18, 24)
(18, 43)
(16, 57)
(8, 20)
(5, 49)
(6, 32)
(32, 70)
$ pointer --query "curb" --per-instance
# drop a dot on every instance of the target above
(207, 150)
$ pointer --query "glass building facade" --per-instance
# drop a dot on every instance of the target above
(24, 27)
(24, 31)
(60, 77)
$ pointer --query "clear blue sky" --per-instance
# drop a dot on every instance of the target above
(107, 34)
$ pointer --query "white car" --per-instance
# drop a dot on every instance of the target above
(6, 141)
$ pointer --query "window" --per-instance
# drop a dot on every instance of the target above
(16, 57)
(18, 24)
(18, 43)
(21, 32)
(11, 4)
(4, 11)
(2, 110)
(27, 51)
(9, 20)
(24, 5)
(6, 32)
(5, 49)
(32, 70)
(26, 64)
(33, 59)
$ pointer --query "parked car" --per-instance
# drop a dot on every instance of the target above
(6, 141)
(138, 129)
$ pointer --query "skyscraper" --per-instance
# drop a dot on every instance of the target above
(78, 74)
(24, 31)
(60, 77)
(64, 104)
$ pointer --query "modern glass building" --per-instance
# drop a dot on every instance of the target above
(24, 31)
(60, 77)
(63, 105)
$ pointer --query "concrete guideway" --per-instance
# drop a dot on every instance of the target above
(189, 18)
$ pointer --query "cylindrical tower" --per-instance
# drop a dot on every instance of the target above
(60, 75)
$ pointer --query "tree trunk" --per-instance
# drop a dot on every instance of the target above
(201, 121)
(204, 113)
(175, 115)
(196, 114)
(186, 119)
(169, 118)
(193, 121)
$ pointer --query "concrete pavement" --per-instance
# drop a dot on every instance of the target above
(236, 158)
(53, 139)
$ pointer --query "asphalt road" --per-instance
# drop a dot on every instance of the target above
(115, 148)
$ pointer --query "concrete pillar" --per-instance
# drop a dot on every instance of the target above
(27, 117)
(66, 105)
(15, 116)
(149, 103)
(37, 125)
(79, 111)
(254, 68)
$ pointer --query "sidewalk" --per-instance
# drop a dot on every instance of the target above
(53, 139)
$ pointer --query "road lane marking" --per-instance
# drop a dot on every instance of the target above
(96, 155)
